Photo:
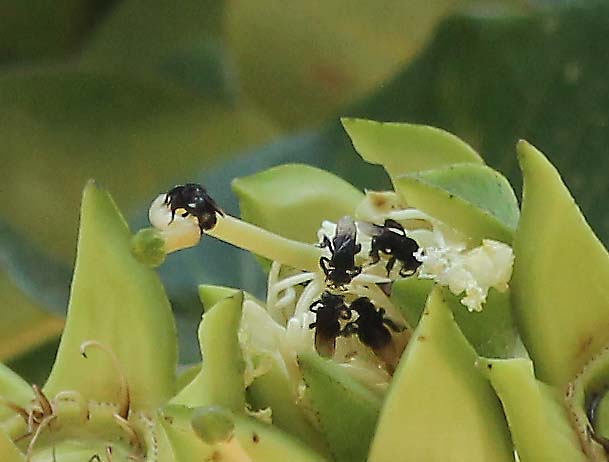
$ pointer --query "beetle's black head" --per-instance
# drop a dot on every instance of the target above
(339, 277)
(332, 301)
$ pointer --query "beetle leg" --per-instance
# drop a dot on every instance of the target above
(374, 252)
(389, 265)
(324, 263)
(394, 326)
(326, 242)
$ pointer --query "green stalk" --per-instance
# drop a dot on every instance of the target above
(266, 244)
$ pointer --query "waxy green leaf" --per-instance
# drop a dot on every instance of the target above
(293, 199)
(121, 304)
(346, 409)
(474, 199)
(559, 286)
(210, 295)
(404, 148)
(492, 332)
(437, 395)
(220, 381)
(538, 420)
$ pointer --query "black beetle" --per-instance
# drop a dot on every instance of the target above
(195, 201)
(340, 269)
(371, 327)
(391, 239)
(329, 310)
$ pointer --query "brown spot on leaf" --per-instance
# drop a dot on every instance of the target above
(255, 438)
(421, 338)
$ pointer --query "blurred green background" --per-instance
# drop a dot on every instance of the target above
(142, 95)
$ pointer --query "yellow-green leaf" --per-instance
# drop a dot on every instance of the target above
(560, 290)
(220, 381)
(403, 148)
(474, 199)
(439, 407)
(121, 304)
(538, 421)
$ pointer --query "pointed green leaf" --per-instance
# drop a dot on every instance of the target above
(8, 451)
(275, 391)
(439, 407)
(220, 381)
(538, 420)
(210, 295)
(262, 442)
(347, 410)
(561, 273)
(492, 331)
(293, 199)
(121, 304)
(403, 148)
(474, 199)
(409, 295)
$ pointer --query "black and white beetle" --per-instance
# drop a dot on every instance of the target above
(340, 269)
(195, 201)
(329, 310)
(371, 327)
(391, 240)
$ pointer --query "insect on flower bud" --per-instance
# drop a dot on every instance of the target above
(178, 232)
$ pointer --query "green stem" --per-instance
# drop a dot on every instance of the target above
(266, 244)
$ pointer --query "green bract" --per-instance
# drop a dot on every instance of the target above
(489, 364)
